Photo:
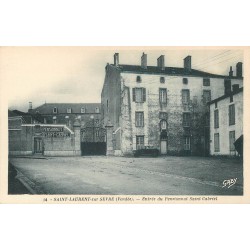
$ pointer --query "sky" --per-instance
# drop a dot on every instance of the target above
(76, 74)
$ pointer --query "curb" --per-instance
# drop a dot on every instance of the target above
(32, 187)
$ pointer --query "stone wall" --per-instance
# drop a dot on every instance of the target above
(198, 109)
(21, 140)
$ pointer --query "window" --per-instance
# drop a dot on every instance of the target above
(216, 142)
(69, 110)
(206, 96)
(97, 122)
(83, 110)
(186, 119)
(231, 98)
(54, 119)
(139, 142)
(163, 95)
(216, 105)
(138, 79)
(206, 82)
(195, 100)
(67, 120)
(163, 125)
(231, 115)
(185, 80)
(54, 110)
(107, 106)
(187, 143)
(139, 94)
(97, 110)
(163, 115)
(139, 119)
(185, 96)
(231, 140)
(96, 133)
(216, 118)
(227, 85)
(162, 79)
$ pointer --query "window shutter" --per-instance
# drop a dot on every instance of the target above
(233, 111)
(133, 94)
(144, 94)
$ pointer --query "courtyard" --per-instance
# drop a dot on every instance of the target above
(101, 175)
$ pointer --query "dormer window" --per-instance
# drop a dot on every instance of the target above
(97, 110)
(55, 110)
(83, 110)
(138, 79)
(162, 79)
(69, 110)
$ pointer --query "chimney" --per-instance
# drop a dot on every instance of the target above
(231, 73)
(239, 69)
(116, 59)
(236, 87)
(30, 107)
(187, 63)
(144, 61)
(161, 62)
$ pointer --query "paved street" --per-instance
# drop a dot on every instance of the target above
(130, 176)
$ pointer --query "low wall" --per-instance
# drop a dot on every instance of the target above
(56, 140)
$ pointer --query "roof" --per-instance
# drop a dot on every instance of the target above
(226, 96)
(26, 117)
(169, 71)
(47, 108)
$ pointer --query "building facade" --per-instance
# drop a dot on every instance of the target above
(53, 129)
(67, 113)
(43, 139)
(226, 122)
(159, 106)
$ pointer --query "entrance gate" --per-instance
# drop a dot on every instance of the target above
(93, 139)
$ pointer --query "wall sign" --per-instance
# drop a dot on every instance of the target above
(53, 131)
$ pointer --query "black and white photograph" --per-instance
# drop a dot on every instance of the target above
(125, 124)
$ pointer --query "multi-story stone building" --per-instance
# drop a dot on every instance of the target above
(226, 123)
(67, 113)
(164, 107)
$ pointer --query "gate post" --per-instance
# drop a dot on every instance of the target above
(77, 135)
(109, 138)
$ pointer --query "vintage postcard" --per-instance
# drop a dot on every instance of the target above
(124, 125)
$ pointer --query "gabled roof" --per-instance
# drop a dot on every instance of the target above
(47, 108)
(226, 96)
(169, 71)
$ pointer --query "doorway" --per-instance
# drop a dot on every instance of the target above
(38, 148)
(163, 147)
